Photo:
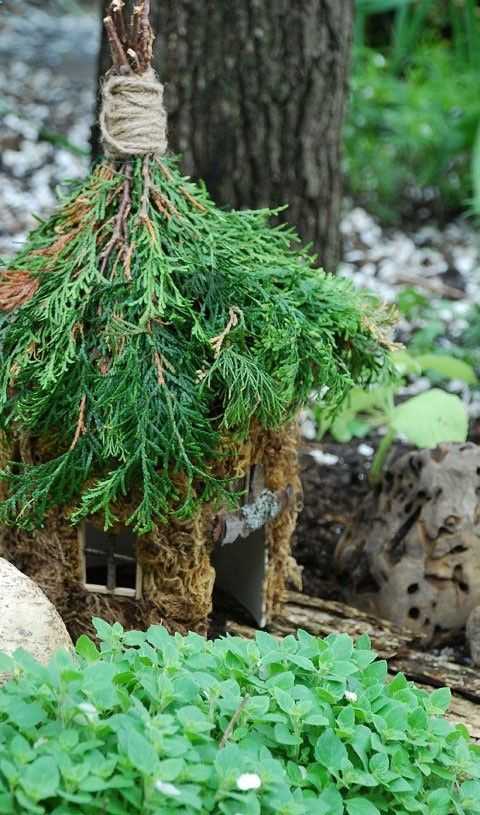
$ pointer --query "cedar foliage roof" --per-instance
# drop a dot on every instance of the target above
(143, 327)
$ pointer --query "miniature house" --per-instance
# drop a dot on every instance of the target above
(154, 351)
(169, 575)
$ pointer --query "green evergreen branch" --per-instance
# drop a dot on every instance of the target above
(127, 314)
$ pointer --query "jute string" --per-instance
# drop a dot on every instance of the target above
(133, 120)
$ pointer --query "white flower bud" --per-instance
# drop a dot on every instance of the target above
(167, 789)
(249, 781)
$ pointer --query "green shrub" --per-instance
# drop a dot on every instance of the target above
(155, 723)
(413, 131)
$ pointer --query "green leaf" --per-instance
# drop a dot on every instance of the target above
(87, 649)
(284, 700)
(439, 700)
(283, 735)
(431, 418)
(331, 752)
(341, 646)
(103, 629)
(170, 768)
(41, 778)
(134, 638)
(25, 714)
(141, 754)
(360, 806)
(439, 802)
(448, 367)
(193, 719)
(405, 363)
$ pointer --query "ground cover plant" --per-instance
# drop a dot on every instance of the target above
(157, 723)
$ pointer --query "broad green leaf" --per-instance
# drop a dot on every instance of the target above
(133, 638)
(439, 802)
(283, 735)
(284, 700)
(361, 806)
(431, 418)
(25, 714)
(41, 778)
(448, 367)
(87, 649)
(405, 363)
(439, 700)
(141, 753)
(103, 629)
(341, 646)
(331, 752)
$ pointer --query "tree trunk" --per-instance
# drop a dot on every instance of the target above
(255, 91)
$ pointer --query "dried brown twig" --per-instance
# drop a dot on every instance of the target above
(81, 422)
(217, 342)
(233, 721)
(119, 57)
(120, 229)
(131, 45)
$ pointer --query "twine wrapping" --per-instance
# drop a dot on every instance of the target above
(133, 120)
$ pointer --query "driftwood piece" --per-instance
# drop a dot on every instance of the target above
(412, 554)
(399, 645)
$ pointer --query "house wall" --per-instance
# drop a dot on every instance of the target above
(178, 577)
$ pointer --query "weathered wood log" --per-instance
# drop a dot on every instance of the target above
(400, 646)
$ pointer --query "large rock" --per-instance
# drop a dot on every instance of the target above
(27, 619)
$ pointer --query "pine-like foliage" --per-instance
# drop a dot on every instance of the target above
(143, 328)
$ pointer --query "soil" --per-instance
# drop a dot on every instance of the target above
(332, 494)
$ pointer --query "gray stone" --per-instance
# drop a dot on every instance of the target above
(28, 619)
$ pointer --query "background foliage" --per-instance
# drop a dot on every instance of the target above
(415, 111)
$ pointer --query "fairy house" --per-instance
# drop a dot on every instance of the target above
(154, 352)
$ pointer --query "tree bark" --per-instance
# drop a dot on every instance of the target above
(255, 91)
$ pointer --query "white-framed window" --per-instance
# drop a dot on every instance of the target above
(109, 562)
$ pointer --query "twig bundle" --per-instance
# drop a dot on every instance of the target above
(145, 330)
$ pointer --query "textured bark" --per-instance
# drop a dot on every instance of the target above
(255, 92)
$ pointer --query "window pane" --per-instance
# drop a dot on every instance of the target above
(96, 569)
(124, 543)
(110, 560)
(126, 574)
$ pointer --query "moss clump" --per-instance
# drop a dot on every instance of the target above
(144, 329)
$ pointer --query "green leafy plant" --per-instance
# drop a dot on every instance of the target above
(154, 723)
(425, 420)
(413, 110)
(419, 127)
(414, 21)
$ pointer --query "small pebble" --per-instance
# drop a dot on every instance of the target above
(365, 450)
(327, 459)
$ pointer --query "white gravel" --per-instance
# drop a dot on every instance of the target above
(47, 85)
